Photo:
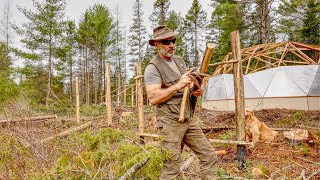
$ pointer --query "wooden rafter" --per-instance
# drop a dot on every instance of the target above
(271, 55)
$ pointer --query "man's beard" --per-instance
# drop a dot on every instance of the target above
(165, 53)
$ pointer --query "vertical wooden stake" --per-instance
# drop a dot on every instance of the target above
(77, 101)
(108, 95)
(239, 98)
(125, 95)
(140, 98)
(119, 90)
(132, 95)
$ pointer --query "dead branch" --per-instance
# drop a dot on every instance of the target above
(230, 142)
(313, 174)
(37, 118)
(185, 165)
(308, 127)
(308, 160)
(65, 133)
(134, 168)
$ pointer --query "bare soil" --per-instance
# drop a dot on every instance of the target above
(281, 159)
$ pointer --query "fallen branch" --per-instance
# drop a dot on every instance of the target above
(134, 168)
(313, 174)
(217, 128)
(308, 127)
(308, 160)
(37, 118)
(230, 142)
(185, 165)
(65, 133)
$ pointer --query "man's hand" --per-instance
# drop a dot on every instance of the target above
(184, 80)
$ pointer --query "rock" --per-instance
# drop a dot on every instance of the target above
(296, 134)
(256, 172)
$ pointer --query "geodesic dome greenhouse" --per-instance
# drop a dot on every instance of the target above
(290, 87)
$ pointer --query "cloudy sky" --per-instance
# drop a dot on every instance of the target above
(75, 8)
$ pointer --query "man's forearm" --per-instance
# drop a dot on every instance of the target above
(162, 95)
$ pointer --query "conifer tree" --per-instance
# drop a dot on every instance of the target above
(160, 13)
(195, 24)
(137, 38)
(310, 32)
(226, 17)
(42, 35)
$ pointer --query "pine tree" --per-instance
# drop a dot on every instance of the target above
(70, 52)
(8, 88)
(310, 32)
(227, 17)
(195, 24)
(160, 13)
(137, 33)
(291, 17)
(117, 51)
(42, 35)
(175, 23)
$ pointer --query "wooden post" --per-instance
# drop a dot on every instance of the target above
(239, 98)
(77, 101)
(140, 98)
(119, 90)
(125, 95)
(132, 95)
(108, 95)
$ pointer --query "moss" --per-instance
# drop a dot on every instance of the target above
(265, 171)
(16, 160)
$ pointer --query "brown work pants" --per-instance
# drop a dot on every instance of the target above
(175, 134)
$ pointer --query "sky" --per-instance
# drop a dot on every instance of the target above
(75, 8)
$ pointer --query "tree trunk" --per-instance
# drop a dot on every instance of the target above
(49, 72)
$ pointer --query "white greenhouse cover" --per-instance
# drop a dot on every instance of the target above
(284, 81)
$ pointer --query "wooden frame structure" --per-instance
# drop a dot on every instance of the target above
(264, 56)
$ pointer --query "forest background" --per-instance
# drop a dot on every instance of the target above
(55, 49)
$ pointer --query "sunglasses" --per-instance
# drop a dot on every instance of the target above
(167, 42)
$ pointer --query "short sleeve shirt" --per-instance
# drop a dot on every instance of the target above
(152, 75)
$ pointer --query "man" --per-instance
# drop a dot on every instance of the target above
(165, 78)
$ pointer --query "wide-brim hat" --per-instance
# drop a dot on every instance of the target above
(160, 33)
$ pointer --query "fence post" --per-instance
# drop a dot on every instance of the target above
(125, 95)
(140, 97)
(77, 101)
(132, 95)
(108, 95)
(239, 98)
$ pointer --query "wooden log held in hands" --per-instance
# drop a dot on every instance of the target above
(203, 68)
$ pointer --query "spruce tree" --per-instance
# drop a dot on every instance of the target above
(160, 13)
(226, 17)
(195, 24)
(137, 38)
(310, 32)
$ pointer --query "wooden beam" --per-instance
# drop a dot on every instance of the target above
(303, 54)
(239, 98)
(206, 58)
